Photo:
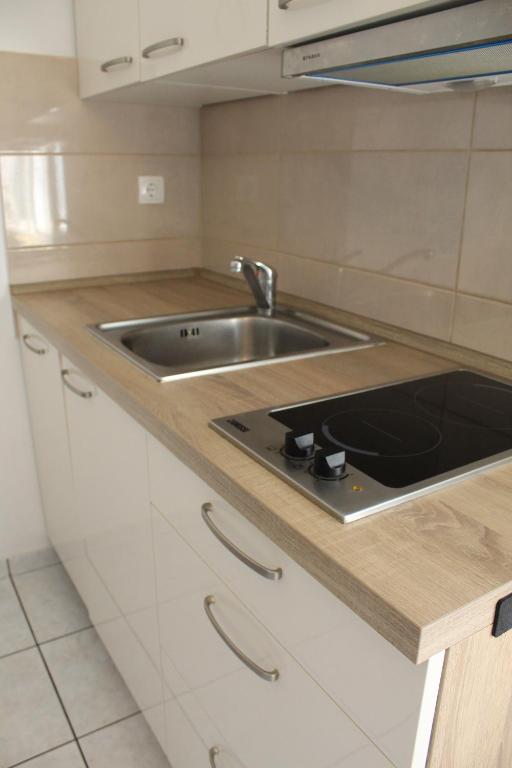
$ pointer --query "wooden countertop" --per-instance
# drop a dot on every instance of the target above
(425, 574)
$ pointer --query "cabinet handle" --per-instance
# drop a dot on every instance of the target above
(36, 350)
(214, 751)
(270, 675)
(107, 65)
(283, 4)
(172, 42)
(86, 393)
(274, 574)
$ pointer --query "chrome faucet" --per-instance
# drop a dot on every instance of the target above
(262, 281)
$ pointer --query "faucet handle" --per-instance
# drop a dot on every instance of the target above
(235, 265)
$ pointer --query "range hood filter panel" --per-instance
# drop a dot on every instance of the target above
(475, 61)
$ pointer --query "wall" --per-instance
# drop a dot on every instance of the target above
(391, 206)
(69, 182)
(69, 177)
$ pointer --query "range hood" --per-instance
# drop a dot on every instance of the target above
(462, 48)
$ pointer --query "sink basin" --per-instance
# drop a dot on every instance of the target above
(179, 346)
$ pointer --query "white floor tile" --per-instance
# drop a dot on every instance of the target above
(63, 757)
(15, 634)
(54, 607)
(31, 561)
(91, 688)
(31, 718)
(129, 744)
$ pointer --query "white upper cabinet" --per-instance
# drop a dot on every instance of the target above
(107, 37)
(292, 20)
(202, 51)
(179, 34)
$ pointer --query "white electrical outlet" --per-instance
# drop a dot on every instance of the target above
(151, 190)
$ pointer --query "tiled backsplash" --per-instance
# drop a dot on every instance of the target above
(392, 206)
(69, 177)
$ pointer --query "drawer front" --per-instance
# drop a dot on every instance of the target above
(288, 721)
(351, 661)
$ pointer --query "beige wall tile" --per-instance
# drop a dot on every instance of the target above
(483, 325)
(251, 125)
(66, 262)
(343, 118)
(58, 199)
(41, 112)
(493, 119)
(313, 199)
(399, 214)
(315, 280)
(240, 195)
(416, 307)
(486, 263)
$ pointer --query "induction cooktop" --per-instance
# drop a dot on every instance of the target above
(360, 452)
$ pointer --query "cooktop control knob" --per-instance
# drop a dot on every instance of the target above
(328, 465)
(299, 446)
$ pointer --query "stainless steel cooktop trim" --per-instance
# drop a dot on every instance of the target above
(265, 437)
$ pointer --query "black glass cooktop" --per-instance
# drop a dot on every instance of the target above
(410, 432)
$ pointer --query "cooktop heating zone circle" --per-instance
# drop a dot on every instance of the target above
(471, 405)
(382, 433)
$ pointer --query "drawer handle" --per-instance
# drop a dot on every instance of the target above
(108, 65)
(269, 675)
(85, 393)
(36, 350)
(214, 751)
(172, 42)
(274, 574)
(283, 4)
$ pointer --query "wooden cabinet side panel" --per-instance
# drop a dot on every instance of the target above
(472, 728)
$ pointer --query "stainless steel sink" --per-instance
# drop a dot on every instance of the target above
(178, 346)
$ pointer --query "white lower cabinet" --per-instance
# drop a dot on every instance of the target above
(109, 459)
(42, 370)
(237, 657)
(391, 699)
(286, 721)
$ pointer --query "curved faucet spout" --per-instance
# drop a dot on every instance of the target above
(262, 280)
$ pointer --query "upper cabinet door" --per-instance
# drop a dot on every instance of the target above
(107, 36)
(178, 34)
(292, 20)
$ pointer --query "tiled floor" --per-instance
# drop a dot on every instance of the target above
(62, 702)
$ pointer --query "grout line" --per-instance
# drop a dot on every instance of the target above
(19, 650)
(66, 634)
(28, 153)
(41, 754)
(88, 243)
(108, 725)
(360, 151)
(361, 270)
(34, 570)
(462, 239)
(47, 667)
